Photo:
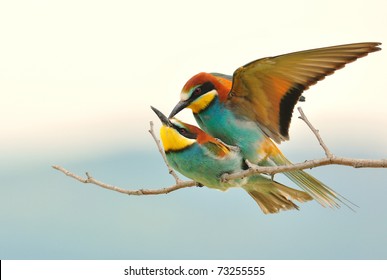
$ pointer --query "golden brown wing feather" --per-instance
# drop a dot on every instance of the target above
(266, 90)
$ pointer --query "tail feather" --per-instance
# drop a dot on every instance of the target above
(272, 196)
(318, 190)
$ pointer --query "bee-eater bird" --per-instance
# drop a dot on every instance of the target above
(255, 105)
(201, 157)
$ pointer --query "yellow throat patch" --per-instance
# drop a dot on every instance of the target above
(202, 102)
(172, 140)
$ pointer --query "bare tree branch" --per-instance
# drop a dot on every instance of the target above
(271, 170)
(90, 180)
(330, 159)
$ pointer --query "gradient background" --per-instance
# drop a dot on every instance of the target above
(76, 82)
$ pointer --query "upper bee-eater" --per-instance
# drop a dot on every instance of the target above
(255, 105)
(204, 159)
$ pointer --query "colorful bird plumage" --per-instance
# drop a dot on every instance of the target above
(201, 157)
(254, 107)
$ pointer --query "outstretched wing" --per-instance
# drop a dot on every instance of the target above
(266, 90)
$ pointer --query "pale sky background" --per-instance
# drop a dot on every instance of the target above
(76, 82)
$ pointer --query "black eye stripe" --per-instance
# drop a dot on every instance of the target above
(207, 86)
(185, 132)
(203, 89)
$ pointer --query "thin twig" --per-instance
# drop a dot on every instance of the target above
(161, 150)
(315, 132)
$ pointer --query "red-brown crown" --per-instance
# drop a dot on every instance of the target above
(222, 85)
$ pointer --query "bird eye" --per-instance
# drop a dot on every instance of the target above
(182, 131)
(197, 91)
(186, 133)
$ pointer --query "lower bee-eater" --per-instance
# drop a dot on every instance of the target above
(201, 157)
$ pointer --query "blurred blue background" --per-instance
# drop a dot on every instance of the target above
(76, 82)
(48, 216)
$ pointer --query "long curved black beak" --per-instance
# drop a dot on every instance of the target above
(179, 106)
(162, 117)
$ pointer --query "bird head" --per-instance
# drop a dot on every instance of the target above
(198, 93)
(177, 135)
